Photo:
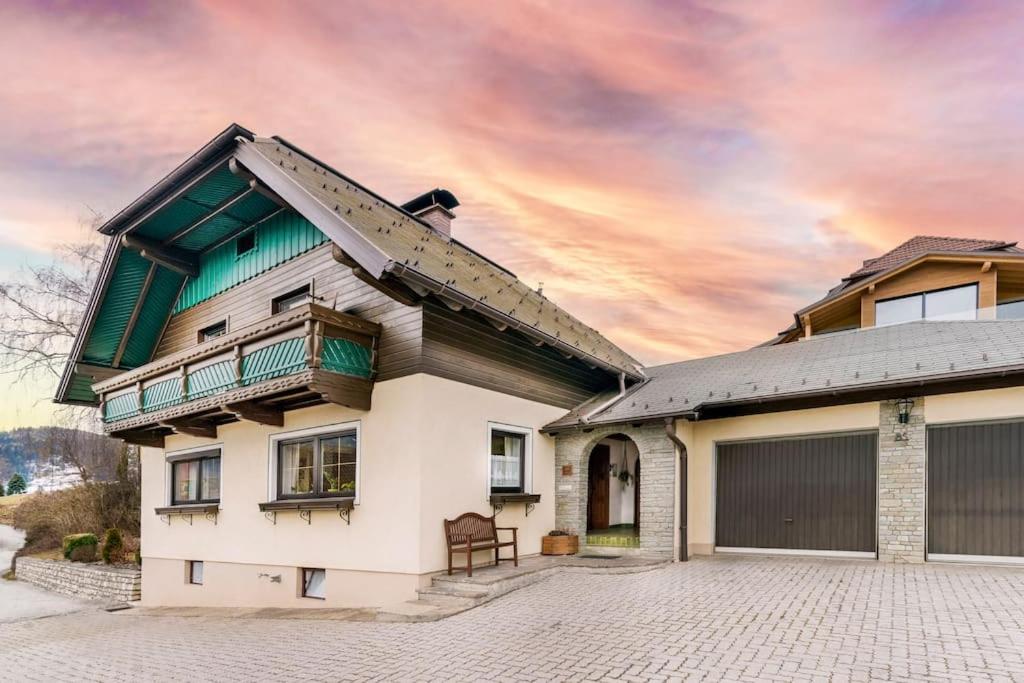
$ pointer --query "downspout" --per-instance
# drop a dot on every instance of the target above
(585, 419)
(670, 431)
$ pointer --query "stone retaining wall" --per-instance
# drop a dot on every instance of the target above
(80, 580)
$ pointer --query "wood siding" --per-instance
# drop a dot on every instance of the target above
(463, 347)
(929, 277)
(976, 489)
(813, 493)
(429, 338)
(334, 285)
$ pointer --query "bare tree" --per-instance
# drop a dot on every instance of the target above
(43, 309)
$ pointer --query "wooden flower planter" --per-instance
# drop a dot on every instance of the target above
(560, 545)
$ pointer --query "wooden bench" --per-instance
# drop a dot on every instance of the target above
(470, 532)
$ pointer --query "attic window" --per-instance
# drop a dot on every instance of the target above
(245, 243)
(213, 331)
(288, 301)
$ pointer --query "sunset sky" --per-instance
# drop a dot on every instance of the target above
(682, 176)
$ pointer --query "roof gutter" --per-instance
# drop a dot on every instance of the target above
(585, 419)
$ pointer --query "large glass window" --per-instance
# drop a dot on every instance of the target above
(196, 480)
(955, 303)
(317, 466)
(508, 461)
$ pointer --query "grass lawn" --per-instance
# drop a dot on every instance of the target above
(7, 505)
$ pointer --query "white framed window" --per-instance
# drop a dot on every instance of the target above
(509, 459)
(319, 462)
(193, 475)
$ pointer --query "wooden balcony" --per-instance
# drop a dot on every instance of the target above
(305, 356)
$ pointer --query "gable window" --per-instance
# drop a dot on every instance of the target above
(509, 459)
(288, 301)
(955, 303)
(245, 243)
(321, 466)
(195, 478)
(314, 583)
(213, 331)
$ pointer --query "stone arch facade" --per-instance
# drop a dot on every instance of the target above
(658, 487)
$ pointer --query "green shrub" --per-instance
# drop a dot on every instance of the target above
(113, 546)
(16, 484)
(80, 547)
(47, 518)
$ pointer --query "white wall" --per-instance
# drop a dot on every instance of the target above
(424, 453)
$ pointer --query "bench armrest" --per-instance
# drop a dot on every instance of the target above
(506, 528)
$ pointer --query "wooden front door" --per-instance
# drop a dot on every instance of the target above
(597, 497)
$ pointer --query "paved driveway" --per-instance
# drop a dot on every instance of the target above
(733, 618)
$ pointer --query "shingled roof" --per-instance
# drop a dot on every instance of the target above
(910, 355)
(387, 241)
(923, 244)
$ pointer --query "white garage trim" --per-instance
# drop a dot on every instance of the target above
(976, 559)
(849, 554)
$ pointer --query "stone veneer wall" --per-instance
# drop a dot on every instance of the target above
(901, 484)
(657, 482)
(87, 581)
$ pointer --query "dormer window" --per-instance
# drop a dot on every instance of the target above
(955, 303)
(245, 243)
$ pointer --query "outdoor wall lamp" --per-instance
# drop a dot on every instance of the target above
(903, 408)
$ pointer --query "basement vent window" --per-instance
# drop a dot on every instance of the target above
(314, 583)
(195, 572)
(245, 243)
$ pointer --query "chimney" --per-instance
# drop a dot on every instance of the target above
(434, 208)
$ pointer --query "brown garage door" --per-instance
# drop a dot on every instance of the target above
(976, 490)
(813, 493)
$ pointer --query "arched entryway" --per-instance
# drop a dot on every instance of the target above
(613, 492)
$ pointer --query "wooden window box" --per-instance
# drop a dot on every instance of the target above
(306, 506)
(499, 500)
(208, 510)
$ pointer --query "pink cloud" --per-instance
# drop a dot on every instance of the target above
(667, 170)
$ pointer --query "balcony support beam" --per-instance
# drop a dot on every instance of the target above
(255, 412)
(203, 430)
(178, 260)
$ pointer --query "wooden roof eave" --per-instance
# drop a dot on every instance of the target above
(418, 279)
(937, 256)
(88, 321)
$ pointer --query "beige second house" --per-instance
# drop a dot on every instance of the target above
(318, 377)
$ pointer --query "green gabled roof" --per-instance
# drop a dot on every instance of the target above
(198, 208)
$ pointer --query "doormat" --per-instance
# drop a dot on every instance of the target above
(600, 557)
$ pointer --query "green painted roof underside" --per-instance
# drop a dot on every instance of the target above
(116, 309)
(278, 239)
(281, 237)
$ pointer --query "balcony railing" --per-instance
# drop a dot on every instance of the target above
(303, 356)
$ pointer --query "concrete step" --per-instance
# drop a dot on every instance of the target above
(456, 591)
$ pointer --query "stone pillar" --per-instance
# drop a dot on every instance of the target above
(901, 484)
(657, 482)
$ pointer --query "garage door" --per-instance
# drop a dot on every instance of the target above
(976, 491)
(808, 494)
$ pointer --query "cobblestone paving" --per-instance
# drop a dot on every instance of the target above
(730, 618)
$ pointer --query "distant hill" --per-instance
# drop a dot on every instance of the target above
(40, 455)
